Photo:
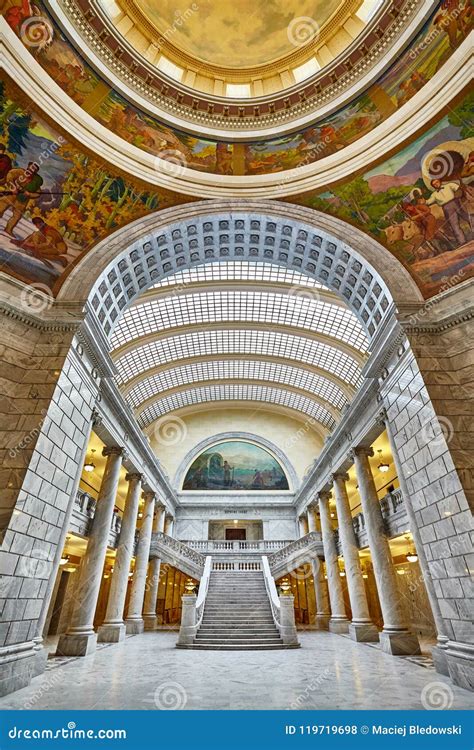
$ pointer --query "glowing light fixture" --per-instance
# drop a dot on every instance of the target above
(64, 560)
(412, 556)
(90, 465)
(383, 467)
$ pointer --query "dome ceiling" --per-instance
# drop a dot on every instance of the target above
(238, 35)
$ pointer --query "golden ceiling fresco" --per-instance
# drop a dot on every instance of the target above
(240, 34)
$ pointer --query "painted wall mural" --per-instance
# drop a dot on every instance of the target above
(235, 465)
(440, 36)
(56, 201)
(419, 202)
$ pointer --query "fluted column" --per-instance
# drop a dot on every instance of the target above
(438, 652)
(134, 622)
(113, 628)
(321, 593)
(338, 622)
(153, 579)
(395, 637)
(361, 627)
(80, 638)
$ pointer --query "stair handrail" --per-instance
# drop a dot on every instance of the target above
(272, 592)
(203, 589)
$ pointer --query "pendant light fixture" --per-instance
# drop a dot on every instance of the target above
(90, 465)
(383, 466)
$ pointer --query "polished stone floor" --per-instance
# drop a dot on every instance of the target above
(146, 672)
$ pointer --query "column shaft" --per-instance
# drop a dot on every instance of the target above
(80, 638)
(395, 637)
(321, 593)
(153, 580)
(311, 519)
(361, 628)
(113, 628)
(338, 622)
(134, 622)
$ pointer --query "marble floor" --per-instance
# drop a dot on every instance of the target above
(146, 672)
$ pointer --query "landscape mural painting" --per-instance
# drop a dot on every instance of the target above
(235, 465)
(442, 34)
(55, 200)
(419, 203)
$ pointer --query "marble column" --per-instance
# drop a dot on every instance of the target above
(395, 637)
(168, 525)
(338, 622)
(311, 509)
(303, 525)
(361, 627)
(151, 590)
(113, 628)
(321, 593)
(134, 622)
(438, 652)
(80, 638)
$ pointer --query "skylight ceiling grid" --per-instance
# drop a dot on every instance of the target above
(265, 343)
(225, 306)
(242, 392)
(233, 370)
(239, 271)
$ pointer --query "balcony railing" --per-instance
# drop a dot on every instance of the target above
(394, 516)
(177, 553)
(83, 514)
(296, 553)
(214, 546)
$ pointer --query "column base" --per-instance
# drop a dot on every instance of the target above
(460, 659)
(71, 644)
(17, 667)
(401, 643)
(134, 626)
(322, 622)
(440, 660)
(111, 632)
(363, 632)
(150, 622)
(338, 626)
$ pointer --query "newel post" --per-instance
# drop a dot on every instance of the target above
(287, 620)
(187, 630)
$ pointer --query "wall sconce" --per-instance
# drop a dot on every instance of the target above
(189, 587)
(90, 465)
(64, 560)
(383, 467)
(412, 557)
(285, 587)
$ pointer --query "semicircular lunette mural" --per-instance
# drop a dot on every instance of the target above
(442, 33)
(235, 465)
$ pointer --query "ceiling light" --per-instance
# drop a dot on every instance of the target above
(364, 575)
(412, 557)
(383, 467)
(64, 560)
(401, 572)
(90, 465)
(236, 522)
(342, 573)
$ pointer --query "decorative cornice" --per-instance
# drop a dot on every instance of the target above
(40, 324)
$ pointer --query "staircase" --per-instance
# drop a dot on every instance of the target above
(237, 614)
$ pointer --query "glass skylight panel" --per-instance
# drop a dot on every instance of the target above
(245, 306)
(248, 342)
(238, 271)
(234, 370)
(244, 392)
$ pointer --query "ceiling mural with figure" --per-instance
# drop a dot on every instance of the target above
(419, 203)
(56, 200)
(434, 44)
(235, 465)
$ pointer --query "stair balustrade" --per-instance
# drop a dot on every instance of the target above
(282, 607)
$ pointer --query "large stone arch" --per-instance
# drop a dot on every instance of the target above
(367, 276)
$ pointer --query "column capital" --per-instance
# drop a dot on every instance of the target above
(324, 496)
(313, 505)
(113, 450)
(133, 477)
(382, 417)
(361, 450)
(96, 418)
(149, 495)
(341, 476)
